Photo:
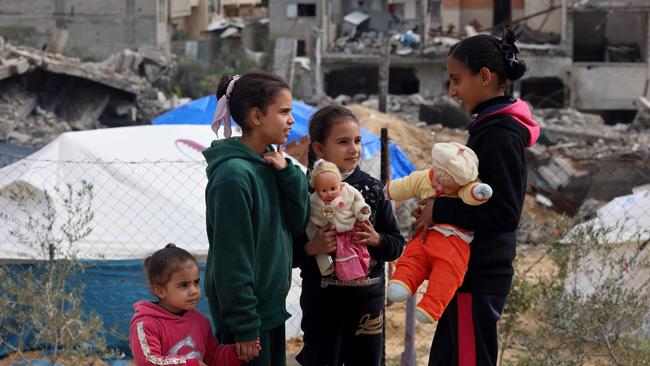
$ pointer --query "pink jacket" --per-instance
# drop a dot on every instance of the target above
(159, 337)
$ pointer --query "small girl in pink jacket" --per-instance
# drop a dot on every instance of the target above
(170, 331)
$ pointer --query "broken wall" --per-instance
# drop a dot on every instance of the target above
(97, 28)
(550, 22)
(607, 86)
(463, 12)
(285, 22)
(362, 74)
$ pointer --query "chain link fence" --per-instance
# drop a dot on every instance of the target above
(109, 215)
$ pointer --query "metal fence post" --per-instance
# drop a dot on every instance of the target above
(385, 176)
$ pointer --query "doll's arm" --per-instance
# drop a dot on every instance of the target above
(475, 193)
(359, 206)
(316, 216)
(414, 185)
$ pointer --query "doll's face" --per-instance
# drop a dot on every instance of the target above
(327, 185)
(444, 183)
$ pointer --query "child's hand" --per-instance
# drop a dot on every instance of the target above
(424, 217)
(323, 243)
(201, 363)
(367, 236)
(246, 351)
(276, 158)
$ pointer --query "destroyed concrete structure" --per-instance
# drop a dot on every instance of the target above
(589, 55)
(44, 94)
(192, 18)
(95, 28)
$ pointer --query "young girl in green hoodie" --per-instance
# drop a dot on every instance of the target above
(255, 201)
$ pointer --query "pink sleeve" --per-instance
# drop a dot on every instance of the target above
(146, 347)
(217, 354)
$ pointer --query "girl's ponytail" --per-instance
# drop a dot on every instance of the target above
(223, 85)
(514, 66)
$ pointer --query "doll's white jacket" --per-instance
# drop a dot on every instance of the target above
(343, 212)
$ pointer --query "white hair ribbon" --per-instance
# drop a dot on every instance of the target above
(222, 112)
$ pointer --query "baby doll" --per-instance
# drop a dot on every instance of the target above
(341, 205)
(443, 256)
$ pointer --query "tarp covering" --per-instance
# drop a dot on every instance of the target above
(148, 190)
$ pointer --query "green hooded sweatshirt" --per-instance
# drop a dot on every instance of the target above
(252, 210)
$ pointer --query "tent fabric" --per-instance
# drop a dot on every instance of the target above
(111, 287)
(148, 190)
(148, 186)
(623, 219)
(201, 111)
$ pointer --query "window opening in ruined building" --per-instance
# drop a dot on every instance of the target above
(616, 36)
(543, 92)
(614, 116)
(301, 51)
(306, 10)
(360, 80)
(397, 9)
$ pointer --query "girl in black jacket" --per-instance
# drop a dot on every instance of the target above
(503, 128)
(343, 320)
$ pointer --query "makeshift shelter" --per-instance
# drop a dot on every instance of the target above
(148, 190)
(623, 224)
(201, 111)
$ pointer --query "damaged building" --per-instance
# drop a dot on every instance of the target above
(88, 28)
(45, 94)
(590, 55)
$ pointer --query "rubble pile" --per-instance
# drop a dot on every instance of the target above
(365, 43)
(44, 94)
(585, 136)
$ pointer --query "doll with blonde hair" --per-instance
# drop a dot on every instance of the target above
(337, 203)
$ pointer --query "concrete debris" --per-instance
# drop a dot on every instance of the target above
(44, 94)
(343, 99)
(148, 62)
(446, 111)
(584, 158)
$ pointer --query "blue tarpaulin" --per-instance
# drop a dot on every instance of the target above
(121, 281)
(201, 111)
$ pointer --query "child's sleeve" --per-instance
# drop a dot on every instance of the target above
(392, 241)
(146, 347)
(232, 270)
(401, 189)
(475, 193)
(217, 354)
(293, 188)
(358, 204)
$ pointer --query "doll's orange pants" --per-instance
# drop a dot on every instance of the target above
(440, 259)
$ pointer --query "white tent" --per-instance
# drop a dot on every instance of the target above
(148, 186)
(624, 224)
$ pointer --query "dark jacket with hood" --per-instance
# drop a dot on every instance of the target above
(252, 211)
(499, 135)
